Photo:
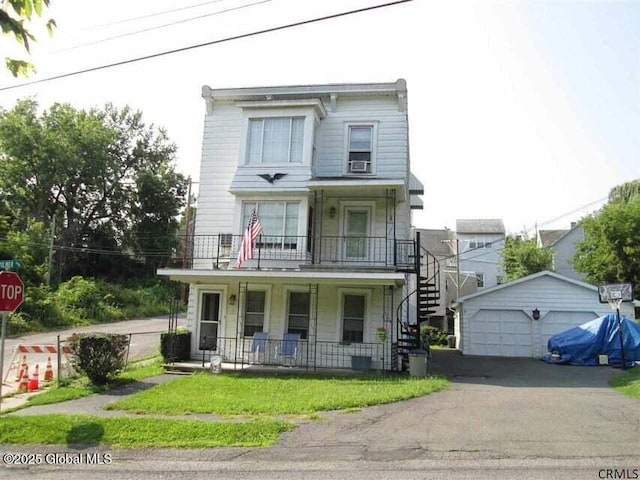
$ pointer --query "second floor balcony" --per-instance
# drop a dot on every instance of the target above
(221, 252)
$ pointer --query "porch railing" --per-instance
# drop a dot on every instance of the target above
(308, 354)
(222, 250)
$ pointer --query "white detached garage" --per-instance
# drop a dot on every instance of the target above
(499, 321)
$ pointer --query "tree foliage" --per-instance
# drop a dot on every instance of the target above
(610, 251)
(16, 17)
(522, 257)
(625, 192)
(106, 177)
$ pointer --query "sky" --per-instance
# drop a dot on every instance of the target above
(525, 110)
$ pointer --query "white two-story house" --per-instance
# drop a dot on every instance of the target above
(326, 170)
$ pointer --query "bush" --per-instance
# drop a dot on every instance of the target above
(99, 355)
(434, 335)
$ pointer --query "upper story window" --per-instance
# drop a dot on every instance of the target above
(360, 148)
(275, 140)
(279, 222)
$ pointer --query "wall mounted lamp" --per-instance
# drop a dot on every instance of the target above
(536, 314)
(232, 299)
(332, 212)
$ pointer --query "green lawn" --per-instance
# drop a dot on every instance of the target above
(127, 432)
(81, 387)
(242, 394)
(629, 383)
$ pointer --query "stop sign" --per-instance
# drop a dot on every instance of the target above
(11, 291)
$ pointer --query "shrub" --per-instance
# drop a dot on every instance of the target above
(99, 355)
(434, 335)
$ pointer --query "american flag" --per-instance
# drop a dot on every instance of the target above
(254, 229)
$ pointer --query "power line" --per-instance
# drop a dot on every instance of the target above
(156, 14)
(206, 44)
(157, 27)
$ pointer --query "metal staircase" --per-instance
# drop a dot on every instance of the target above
(419, 305)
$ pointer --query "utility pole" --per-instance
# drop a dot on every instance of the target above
(50, 262)
(456, 253)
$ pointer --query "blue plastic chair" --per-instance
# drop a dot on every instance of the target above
(289, 348)
(258, 346)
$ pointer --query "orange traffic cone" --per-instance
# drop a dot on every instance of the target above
(22, 368)
(34, 383)
(48, 371)
(23, 386)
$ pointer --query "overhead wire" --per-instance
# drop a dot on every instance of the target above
(158, 27)
(206, 44)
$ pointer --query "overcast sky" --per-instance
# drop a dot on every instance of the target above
(527, 111)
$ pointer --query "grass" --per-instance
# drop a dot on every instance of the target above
(81, 387)
(629, 383)
(127, 432)
(241, 394)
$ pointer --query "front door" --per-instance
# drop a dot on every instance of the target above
(209, 320)
(356, 231)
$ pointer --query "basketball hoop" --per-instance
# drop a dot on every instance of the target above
(614, 294)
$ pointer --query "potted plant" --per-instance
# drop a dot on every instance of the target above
(382, 333)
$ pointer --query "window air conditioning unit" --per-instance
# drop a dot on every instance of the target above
(359, 166)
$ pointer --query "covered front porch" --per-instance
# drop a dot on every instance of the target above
(296, 319)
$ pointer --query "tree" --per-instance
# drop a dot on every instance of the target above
(610, 251)
(108, 178)
(15, 20)
(522, 257)
(625, 192)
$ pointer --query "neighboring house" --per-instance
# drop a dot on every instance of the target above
(516, 319)
(326, 170)
(441, 244)
(480, 242)
(563, 245)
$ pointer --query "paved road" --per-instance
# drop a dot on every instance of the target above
(144, 341)
(502, 418)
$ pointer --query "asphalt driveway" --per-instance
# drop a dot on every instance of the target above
(496, 408)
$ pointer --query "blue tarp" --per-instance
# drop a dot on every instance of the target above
(582, 345)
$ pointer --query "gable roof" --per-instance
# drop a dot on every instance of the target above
(527, 279)
(477, 225)
(434, 240)
(549, 237)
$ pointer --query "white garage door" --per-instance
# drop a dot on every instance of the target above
(500, 333)
(557, 322)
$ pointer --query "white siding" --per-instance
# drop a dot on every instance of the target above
(562, 305)
(391, 145)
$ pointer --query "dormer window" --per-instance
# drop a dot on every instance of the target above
(360, 148)
(275, 140)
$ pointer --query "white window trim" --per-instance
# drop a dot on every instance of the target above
(309, 116)
(374, 145)
(285, 302)
(303, 213)
(367, 312)
(267, 307)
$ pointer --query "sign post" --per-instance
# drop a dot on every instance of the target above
(11, 296)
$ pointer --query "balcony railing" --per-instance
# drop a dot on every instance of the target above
(270, 250)
(306, 354)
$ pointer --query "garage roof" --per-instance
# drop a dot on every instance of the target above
(527, 279)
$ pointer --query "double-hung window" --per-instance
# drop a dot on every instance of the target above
(360, 147)
(353, 314)
(298, 321)
(279, 222)
(254, 312)
(275, 140)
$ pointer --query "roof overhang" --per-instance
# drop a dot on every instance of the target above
(365, 278)
(361, 185)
